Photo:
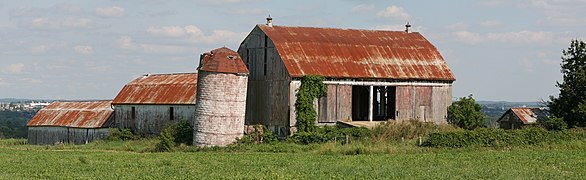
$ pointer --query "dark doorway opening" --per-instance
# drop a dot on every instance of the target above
(383, 103)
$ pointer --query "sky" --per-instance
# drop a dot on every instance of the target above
(72, 50)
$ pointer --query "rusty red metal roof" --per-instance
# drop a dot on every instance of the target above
(530, 115)
(350, 53)
(222, 60)
(159, 89)
(73, 114)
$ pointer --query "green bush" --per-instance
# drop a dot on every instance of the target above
(260, 135)
(329, 133)
(491, 137)
(124, 135)
(406, 130)
(554, 124)
(175, 134)
(167, 141)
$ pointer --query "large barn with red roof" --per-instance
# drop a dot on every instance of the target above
(372, 75)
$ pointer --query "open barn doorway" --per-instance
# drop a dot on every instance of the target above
(383, 103)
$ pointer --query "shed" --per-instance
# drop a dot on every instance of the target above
(516, 118)
(70, 122)
(150, 102)
(372, 75)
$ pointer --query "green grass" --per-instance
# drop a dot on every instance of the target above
(130, 160)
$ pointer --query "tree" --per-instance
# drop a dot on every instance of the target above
(570, 105)
(466, 113)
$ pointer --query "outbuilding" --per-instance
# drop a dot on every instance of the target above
(152, 101)
(70, 122)
(515, 118)
(372, 75)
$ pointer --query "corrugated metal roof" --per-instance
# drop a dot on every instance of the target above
(159, 89)
(530, 115)
(223, 60)
(349, 53)
(73, 114)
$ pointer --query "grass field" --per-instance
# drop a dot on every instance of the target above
(124, 160)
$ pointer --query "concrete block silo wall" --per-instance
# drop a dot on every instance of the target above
(220, 108)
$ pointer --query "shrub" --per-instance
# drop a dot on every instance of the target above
(260, 135)
(125, 134)
(406, 130)
(167, 141)
(466, 113)
(491, 137)
(175, 134)
(554, 124)
(329, 133)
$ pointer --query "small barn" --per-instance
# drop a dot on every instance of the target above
(372, 75)
(70, 122)
(150, 102)
(515, 118)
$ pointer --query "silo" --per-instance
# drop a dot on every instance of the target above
(221, 98)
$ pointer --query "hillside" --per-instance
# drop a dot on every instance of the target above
(13, 123)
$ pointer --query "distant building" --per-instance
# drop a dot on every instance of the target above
(70, 122)
(516, 118)
(371, 75)
(150, 102)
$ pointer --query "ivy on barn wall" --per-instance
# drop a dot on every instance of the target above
(312, 87)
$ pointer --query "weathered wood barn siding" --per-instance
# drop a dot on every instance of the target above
(268, 83)
(70, 122)
(150, 102)
(516, 118)
(400, 66)
(52, 135)
(150, 120)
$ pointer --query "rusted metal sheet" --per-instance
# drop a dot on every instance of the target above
(348, 53)
(222, 60)
(73, 114)
(530, 115)
(159, 89)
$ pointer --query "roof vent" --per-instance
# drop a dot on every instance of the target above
(230, 56)
(407, 26)
(270, 21)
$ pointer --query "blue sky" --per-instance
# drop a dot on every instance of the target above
(498, 50)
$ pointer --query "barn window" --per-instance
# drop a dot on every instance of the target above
(133, 113)
(171, 117)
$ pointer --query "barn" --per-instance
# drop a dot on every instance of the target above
(372, 75)
(516, 118)
(150, 102)
(70, 122)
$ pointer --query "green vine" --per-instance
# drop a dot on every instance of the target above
(312, 87)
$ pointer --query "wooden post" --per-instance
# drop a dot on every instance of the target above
(370, 102)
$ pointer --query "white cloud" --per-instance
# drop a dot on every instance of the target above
(490, 24)
(83, 49)
(196, 35)
(69, 23)
(253, 11)
(468, 37)
(14, 68)
(113, 11)
(527, 65)
(31, 80)
(394, 12)
(459, 26)
(163, 49)
(3, 82)
(125, 42)
(363, 8)
(520, 37)
(45, 48)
